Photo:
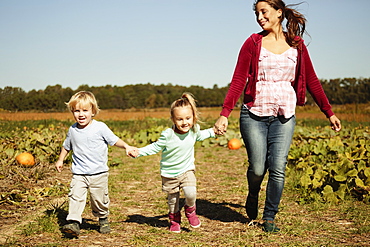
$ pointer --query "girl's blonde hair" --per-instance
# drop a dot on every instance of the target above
(83, 98)
(187, 99)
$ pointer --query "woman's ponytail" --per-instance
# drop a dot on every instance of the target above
(295, 26)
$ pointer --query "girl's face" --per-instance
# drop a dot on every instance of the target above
(267, 17)
(83, 115)
(183, 119)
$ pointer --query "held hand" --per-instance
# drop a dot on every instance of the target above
(335, 123)
(221, 125)
(59, 166)
(132, 151)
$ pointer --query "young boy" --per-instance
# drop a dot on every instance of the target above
(89, 140)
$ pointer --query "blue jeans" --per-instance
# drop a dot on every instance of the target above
(267, 140)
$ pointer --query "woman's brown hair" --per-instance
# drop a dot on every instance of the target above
(295, 21)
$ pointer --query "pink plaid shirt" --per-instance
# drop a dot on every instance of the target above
(274, 92)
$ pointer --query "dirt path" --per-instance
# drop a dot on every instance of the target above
(139, 212)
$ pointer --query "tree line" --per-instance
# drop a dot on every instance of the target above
(140, 96)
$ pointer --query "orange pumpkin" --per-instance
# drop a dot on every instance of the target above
(234, 144)
(25, 159)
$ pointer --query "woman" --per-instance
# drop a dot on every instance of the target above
(274, 70)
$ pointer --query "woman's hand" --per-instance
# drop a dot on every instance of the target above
(221, 125)
(335, 123)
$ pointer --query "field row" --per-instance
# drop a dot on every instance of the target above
(120, 115)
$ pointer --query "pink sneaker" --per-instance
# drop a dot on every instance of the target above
(192, 216)
(175, 220)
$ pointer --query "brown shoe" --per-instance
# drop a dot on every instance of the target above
(72, 229)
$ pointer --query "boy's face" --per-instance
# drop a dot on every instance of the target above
(83, 115)
(183, 119)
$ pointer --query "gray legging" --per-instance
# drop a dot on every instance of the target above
(190, 193)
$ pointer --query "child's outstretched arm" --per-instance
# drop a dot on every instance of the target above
(156, 146)
(130, 151)
(62, 156)
(206, 133)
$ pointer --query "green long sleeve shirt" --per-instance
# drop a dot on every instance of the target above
(177, 150)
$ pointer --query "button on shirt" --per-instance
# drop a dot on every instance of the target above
(274, 92)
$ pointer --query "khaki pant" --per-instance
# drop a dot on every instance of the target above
(173, 185)
(97, 185)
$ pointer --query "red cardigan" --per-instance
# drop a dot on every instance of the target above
(246, 70)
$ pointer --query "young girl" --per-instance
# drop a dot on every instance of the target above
(177, 162)
(89, 140)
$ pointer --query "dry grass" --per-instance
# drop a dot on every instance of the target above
(139, 211)
(346, 113)
(111, 114)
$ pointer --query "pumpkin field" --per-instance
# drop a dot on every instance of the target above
(325, 202)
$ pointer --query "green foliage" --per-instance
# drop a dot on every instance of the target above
(133, 126)
(145, 137)
(140, 96)
(333, 165)
(137, 96)
(42, 141)
(347, 90)
(327, 166)
(318, 152)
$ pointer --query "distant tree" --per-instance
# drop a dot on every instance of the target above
(150, 102)
(53, 98)
(12, 99)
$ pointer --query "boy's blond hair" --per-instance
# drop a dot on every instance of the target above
(83, 98)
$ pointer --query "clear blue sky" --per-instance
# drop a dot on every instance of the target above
(183, 42)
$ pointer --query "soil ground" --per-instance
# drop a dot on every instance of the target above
(139, 211)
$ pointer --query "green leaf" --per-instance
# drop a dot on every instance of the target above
(359, 183)
(320, 174)
(301, 164)
(9, 152)
(305, 180)
(316, 184)
(223, 141)
(361, 165)
(336, 144)
(206, 143)
(340, 178)
(329, 195)
(367, 172)
(341, 192)
(309, 170)
(348, 164)
(352, 173)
